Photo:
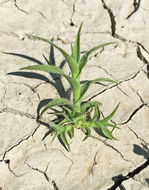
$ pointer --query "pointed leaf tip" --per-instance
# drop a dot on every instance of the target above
(107, 133)
(56, 102)
(70, 60)
(76, 47)
(103, 121)
(84, 58)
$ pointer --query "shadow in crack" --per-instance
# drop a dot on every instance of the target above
(142, 151)
(147, 180)
(115, 179)
(120, 178)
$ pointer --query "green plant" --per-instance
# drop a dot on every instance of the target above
(75, 113)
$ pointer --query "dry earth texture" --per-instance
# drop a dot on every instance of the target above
(26, 161)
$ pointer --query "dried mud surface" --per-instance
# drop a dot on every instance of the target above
(26, 161)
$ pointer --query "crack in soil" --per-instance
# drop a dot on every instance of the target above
(3, 99)
(140, 182)
(115, 85)
(5, 153)
(67, 158)
(122, 178)
(137, 109)
(137, 136)
(2, 4)
(73, 12)
(64, 2)
(15, 3)
(113, 78)
(112, 18)
(9, 168)
(143, 47)
(93, 165)
(15, 111)
(110, 146)
(144, 104)
(20, 113)
(42, 15)
(137, 93)
(132, 115)
(113, 23)
(63, 42)
(136, 5)
(142, 58)
(45, 175)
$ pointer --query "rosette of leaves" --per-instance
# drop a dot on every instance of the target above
(75, 113)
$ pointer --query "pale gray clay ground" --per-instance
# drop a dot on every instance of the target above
(27, 162)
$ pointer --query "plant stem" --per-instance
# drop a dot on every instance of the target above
(76, 96)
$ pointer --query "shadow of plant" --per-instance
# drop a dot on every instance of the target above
(147, 180)
(56, 78)
(115, 179)
(142, 151)
(56, 82)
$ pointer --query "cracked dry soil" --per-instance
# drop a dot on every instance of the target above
(26, 161)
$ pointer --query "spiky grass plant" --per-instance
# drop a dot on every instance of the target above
(75, 113)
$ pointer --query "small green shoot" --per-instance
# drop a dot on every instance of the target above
(75, 113)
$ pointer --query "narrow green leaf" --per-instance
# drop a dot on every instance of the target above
(96, 113)
(63, 122)
(107, 133)
(63, 137)
(53, 69)
(71, 62)
(56, 102)
(73, 83)
(105, 120)
(88, 133)
(45, 68)
(55, 135)
(76, 48)
(68, 127)
(87, 84)
(69, 111)
(71, 131)
(66, 116)
(84, 58)
(87, 105)
(58, 129)
(93, 124)
(102, 80)
(111, 125)
(72, 50)
(84, 88)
